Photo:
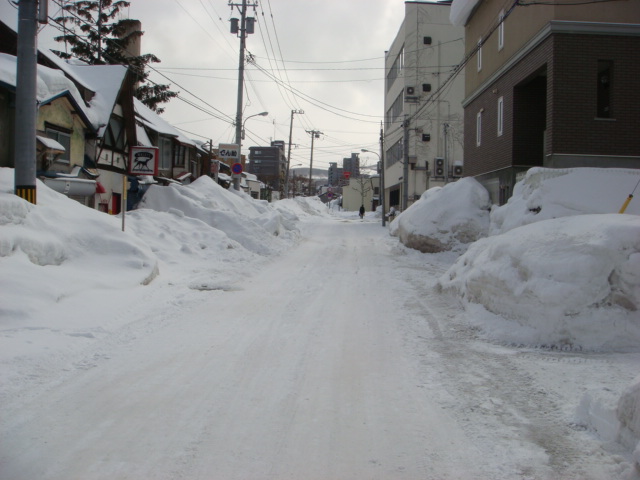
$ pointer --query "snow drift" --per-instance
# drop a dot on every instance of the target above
(445, 218)
(547, 193)
(572, 280)
(59, 248)
(551, 281)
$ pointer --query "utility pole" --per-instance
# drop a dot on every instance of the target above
(382, 169)
(405, 166)
(446, 158)
(26, 102)
(314, 134)
(286, 179)
(244, 28)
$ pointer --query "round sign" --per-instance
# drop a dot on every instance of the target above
(236, 168)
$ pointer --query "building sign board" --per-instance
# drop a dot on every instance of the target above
(143, 160)
(229, 151)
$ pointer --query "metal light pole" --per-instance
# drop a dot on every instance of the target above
(286, 178)
(261, 114)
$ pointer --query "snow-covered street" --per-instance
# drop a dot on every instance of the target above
(334, 360)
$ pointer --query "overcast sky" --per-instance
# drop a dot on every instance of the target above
(325, 57)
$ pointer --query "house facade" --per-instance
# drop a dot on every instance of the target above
(87, 121)
(423, 112)
(549, 85)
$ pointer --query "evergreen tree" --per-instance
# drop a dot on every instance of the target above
(97, 37)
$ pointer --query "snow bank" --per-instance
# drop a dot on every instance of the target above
(447, 218)
(199, 235)
(546, 193)
(572, 281)
(59, 248)
(251, 223)
(628, 413)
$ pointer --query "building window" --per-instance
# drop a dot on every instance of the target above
(114, 135)
(479, 55)
(478, 129)
(501, 31)
(165, 153)
(604, 87)
(396, 109)
(394, 154)
(179, 156)
(64, 139)
(396, 69)
(500, 115)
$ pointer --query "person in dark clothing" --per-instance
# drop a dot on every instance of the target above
(361, 211)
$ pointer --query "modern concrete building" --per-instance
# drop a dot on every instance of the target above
(423, 138)
(269, 164)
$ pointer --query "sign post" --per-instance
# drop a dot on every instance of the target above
(142, 161)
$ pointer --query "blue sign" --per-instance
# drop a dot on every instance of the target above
(236, 168)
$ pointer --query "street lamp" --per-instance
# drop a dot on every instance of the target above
(261, 114)
(381, 159)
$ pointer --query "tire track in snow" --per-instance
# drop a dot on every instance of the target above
(497, 401)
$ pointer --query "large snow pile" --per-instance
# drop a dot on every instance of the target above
(546, 193)
(59, 249)
(445, 218)
(558, 263)
(254, 224)
(551, 283)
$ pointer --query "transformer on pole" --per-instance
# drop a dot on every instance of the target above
(242, 28)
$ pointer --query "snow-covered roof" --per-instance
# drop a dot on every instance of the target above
(106, 81)
(142, 137)
(50, 143)
(461, 11)
(51, 84)
(158, 124)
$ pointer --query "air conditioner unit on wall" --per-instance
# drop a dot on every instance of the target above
(411, 91)
(457, 170)
(439, 170)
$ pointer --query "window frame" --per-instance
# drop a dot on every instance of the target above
(501, 31)
(63, 137)
(479, 55)
(479, 129)
(605, 69)
(500, 119)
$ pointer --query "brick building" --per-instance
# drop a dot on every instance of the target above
(549, 85)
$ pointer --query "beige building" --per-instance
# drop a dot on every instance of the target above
(361, 191)
(423, 112)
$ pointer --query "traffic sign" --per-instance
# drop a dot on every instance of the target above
(236, 168)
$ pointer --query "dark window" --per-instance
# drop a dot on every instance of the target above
(604, 87)
(114, 135)
(179, 156)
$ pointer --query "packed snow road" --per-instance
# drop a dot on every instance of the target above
(334, 361)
